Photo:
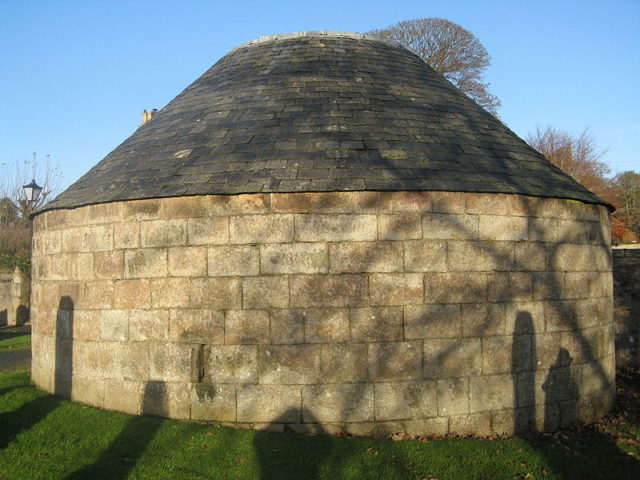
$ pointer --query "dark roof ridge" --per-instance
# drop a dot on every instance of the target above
(310, 33)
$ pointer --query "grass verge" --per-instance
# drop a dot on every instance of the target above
(42, 437)
(14, 340)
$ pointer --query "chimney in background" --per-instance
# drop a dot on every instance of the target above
(147, 115)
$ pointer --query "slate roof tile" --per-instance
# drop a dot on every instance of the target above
(320, 112)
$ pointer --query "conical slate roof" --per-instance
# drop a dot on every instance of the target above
(318, 112)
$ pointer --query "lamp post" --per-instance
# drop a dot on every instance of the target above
(32, 192)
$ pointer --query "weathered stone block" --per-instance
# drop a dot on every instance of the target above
(83, 267)
(97, 238)
(497, 204)
(530, 256)
(335, 228)
(233, 364)
(208, 231)
(560, 316)
(525, 316)
(448, 202)
(146, 262)
(272, 228)
(289, 364)
(227, 261)
(394, 401)
(163, 233)
(135, 362)
(455, 287)
(344, 363)
(481, 319)
(594, 311)
(148, 325)
(123, 396)
(378, 324)
(326, 325)
(446, 358)
(405, 201)
(328, 290)
(107, 265)
(132, 294)
(448, 226)
(365, 257)
(509, 287)
(86, 325)
(166, 400)
(400, 227)
(432, 321)
(213, 402)
(478, 424)
(480, 256)
(265, 292)
(215, 293)
(236, 204)
(126, 235)
(246, 327)
(294, 258)
(51, 242)
(114, 325)
(169, 292)
(87, 390)
(133, 210)
(508, 353)
(338, 403)
(491, 392)
(200, 326)
(495, 227)
(287, 326)
(170, 361)
(269, 403)
(188, 261)
(396, 288)
(395, 361)
(453, 396)
(183, 207)
(425, 256)
(427, 426)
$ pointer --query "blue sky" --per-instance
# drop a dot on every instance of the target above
(76, 75)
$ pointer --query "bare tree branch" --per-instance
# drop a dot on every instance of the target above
(449, 49)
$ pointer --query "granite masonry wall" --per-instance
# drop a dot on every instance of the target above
(14, 298)
(626, 287)
(363, 312)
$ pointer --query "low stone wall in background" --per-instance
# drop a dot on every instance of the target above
(14, 298)
(626, 288)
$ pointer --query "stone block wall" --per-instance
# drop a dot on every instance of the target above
(365, 312)
(14, 298)
(626, 287)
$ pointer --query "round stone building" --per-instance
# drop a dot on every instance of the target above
(321, 233)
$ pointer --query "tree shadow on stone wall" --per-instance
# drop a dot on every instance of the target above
(120, 457)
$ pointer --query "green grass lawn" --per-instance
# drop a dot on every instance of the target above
(14, 340)
(42, 437)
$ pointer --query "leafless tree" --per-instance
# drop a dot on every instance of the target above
(577, 155)
(449, 49)
(13, 176)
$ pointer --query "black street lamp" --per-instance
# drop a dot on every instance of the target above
(32, 191)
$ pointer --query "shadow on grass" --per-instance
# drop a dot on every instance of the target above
(29, 414)
(278, 457)
(10, 335)
(120, 457)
